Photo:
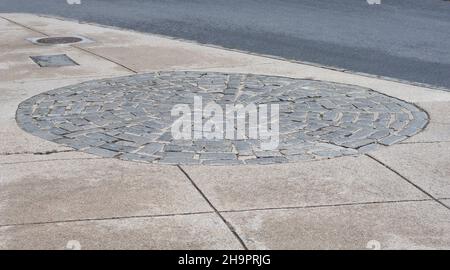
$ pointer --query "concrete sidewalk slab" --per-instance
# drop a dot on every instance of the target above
(21, 67)
(407, 92)
(425, 164)
(139, 52)
(435, 132)
(5, 25)
(200, 231)
(438, 130)
(405, 225)
(210, 58)
(327, 182)
(58, 190)
(63, 26)
(17, 65)
(438, 111)
(16, 40)
(62, 155)
(45, 182)
(16, 141)
(446, 202)
(166, 57)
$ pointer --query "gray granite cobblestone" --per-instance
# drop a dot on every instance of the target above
(130, 118)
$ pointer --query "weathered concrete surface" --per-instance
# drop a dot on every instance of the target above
(446, 202)
(425, 164)
(438, 129)
(61, 187)
(32, 157)
(49, 191)
(405, 225)
(200, 231)
(328, 182)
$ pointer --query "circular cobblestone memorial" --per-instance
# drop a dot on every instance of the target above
(130, 118)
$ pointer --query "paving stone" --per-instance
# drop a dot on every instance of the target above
(379, 134)
(368, 148)
(266, 154)
(359, 143)
(151, 148)
(217, 156)
(266, 160)
(101, 152)
(222, 162)
(137, 157)
(392, 139)
(178, 160)
(328, 153)
(130, 117)
(301, 157)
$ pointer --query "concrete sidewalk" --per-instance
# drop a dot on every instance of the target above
(398, 196)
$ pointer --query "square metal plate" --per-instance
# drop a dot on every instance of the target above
(58, 60)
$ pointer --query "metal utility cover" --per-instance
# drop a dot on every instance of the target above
(58, 60)
(59, 40)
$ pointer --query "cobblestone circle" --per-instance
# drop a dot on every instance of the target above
(129, 118)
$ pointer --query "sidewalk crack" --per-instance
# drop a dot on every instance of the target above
(72, 46)
(228, 224)
(105, 58)
(49, 152)
(104, 218)
(47, 160)
(409, 181)
(324, 205)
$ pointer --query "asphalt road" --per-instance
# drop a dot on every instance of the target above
(404, 39)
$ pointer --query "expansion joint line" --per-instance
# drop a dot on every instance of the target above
(409, 181)
(73, 46)
(105, 58)
(228, 224)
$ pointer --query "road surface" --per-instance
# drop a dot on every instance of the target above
(404, 39)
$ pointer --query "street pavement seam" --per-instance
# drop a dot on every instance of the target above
(105, 58)
(409, 181)
(106, 218)
(24, 26)
(83, 77)
(206, 211)
(227, 223)
(47, 160)
(312, 64)
(73, 46)
(38, 153)
(325, 205)
(87, 77)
